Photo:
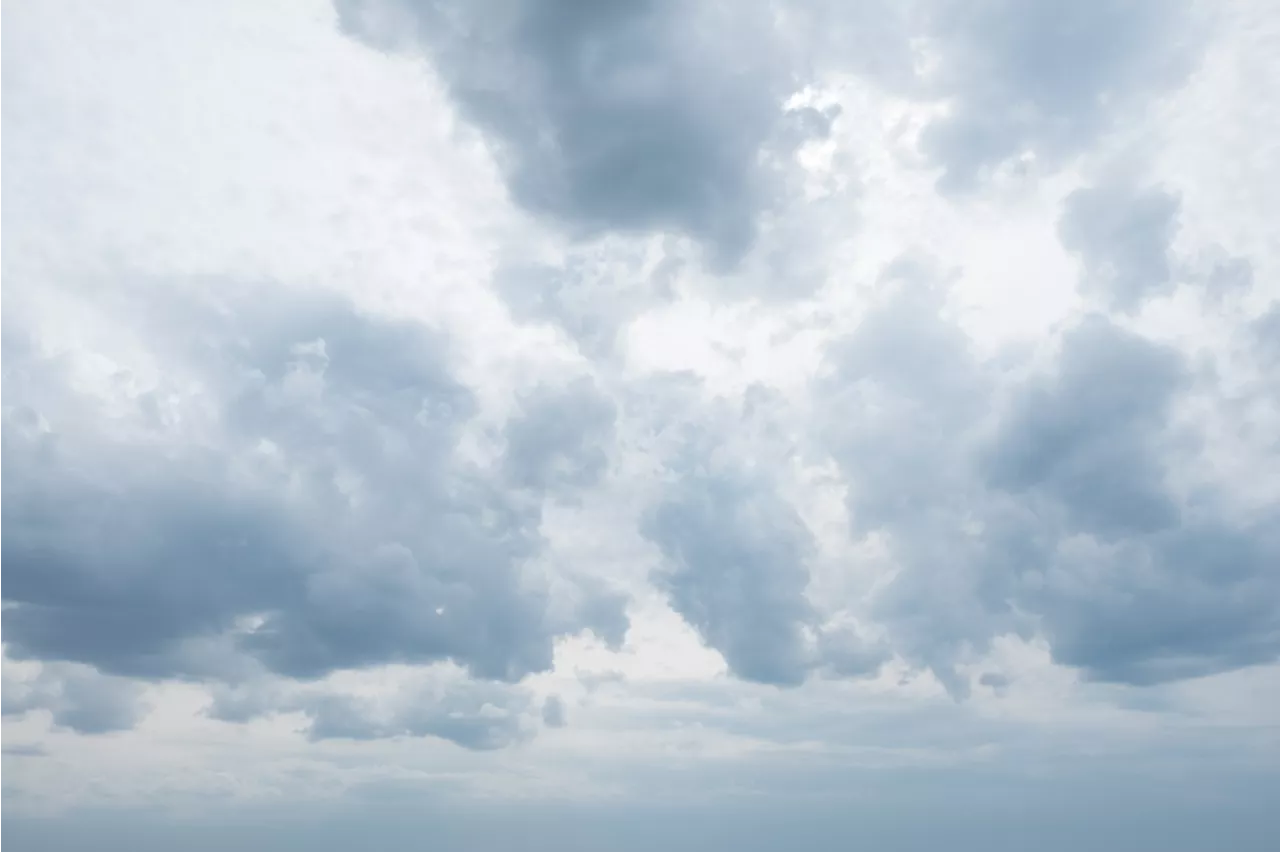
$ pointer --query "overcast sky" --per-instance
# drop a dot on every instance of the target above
(480, 425)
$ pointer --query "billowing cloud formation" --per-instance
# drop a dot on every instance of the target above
(77, 697)
(668, 408)
(656, 115)
(1122, 237)
(475, 716)
(902, 400)
(1141, 586)
(587, 296)
(738, 573)
(737, 557)
(560, 438)
(1087, 437)
(613, 115)
(287, 496)
(1055, 514)
(1266, 332)
(1044, 78)
(553, 714)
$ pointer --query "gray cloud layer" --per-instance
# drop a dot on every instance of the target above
(1121, 235)
(738, 571)
(77, 698)
(1047, 507)
(290, 499)
(626, 116)
(322, 496)
(476, 716)
(1046, 78)
(660, 115)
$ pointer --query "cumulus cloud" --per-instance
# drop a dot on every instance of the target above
(1042, 503)
(297, 506)
(1121, 234)
(590, 294)
(902, 400)
(667, 409)
(560, 437)
(553, 712)
(610, 116)
(1088, 435)
(738, 572)
(737, 556)
(1046, 79)
(77, 698)
(994, 680)
(653, 115)
(1266, 333)
(475, 716)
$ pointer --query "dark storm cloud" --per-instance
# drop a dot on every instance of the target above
(322, 520)
(628, 115)
(1045, 507)
(1121, 235)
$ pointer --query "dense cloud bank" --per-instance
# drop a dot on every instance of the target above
(661, 115)
(263, 487)
(288, 498)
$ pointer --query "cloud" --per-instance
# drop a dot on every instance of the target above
(93, 704)
(1041, 504)
(658, 115)
(737, 557)
(900, 404)
(560, 438)
(1188, 602)
(553, 712)
(1143, 586)
(376, 538)
(296, 504)
(611, 116)
(994, 680)
(1121, 234)
(1088, 435)
(1046, 78)
(1265, 331)
(77, 698)
(481, 717)
(590, 294)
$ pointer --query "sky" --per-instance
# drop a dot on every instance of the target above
(481, 425)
